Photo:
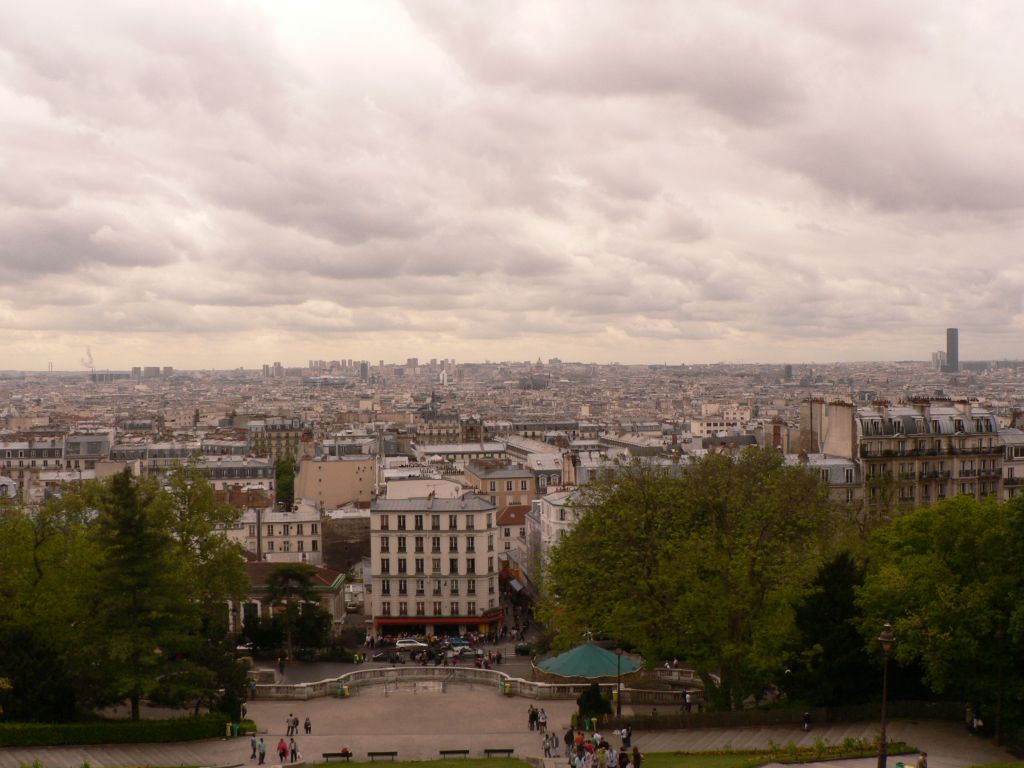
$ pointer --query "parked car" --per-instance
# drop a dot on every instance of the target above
(465, 652)
(409, 643)
(456, 642)
(524, 649)
(390, 657)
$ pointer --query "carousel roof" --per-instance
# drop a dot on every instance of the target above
(589, 660)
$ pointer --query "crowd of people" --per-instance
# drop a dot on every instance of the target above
(287, 751)
(595, 751)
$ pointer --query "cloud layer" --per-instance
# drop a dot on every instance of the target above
(216, 183)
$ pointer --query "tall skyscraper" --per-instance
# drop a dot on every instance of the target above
(952, 350)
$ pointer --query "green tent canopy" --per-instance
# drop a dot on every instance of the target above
(588, 661)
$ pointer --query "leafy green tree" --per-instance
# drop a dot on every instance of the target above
(290, 585)
(285, 481)
(705, 564)
(39, 687)
(140, 589)
(948, 579)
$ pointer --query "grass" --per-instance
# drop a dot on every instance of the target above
(789, 753)
(1011, 764)
(455, 762)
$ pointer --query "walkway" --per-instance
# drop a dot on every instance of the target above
(419, 721)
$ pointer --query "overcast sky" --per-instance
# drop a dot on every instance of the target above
(215, 184)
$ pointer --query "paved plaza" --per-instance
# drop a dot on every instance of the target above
(419, 719)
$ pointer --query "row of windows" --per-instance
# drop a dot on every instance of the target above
(421, 587)
(435, 544)
(286, 529)
(419, 565)
(435, 522)
(524, 485)
(421, 608)
(286, 546)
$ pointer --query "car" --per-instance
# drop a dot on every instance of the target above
(389, 657)
(456, 641)
(465, 652)
(524, 649)
(408, 643)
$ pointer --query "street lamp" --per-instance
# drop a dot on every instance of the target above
(618, 682)
(887, 640)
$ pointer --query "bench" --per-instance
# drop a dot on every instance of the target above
(346, 756)
(450, 752)
(493, 752)
(374, 755)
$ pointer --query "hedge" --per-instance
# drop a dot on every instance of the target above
(114, 731)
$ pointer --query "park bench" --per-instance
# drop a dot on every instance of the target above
(450, 752)
(493, 752)
(344, 755)
(374, 755)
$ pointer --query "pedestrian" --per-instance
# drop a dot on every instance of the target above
(295, 726)
(637, 757)
(922, 761)
(627, 737)
(282, 750)
(261, 751)
(542, 721)
(807, 721)
(531, 717)
(568, 739)
(309, 725)
(293, 750)
(288, 725)
(546, 746)
(254, 744)
(689, 701)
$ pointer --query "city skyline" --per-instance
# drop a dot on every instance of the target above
(218, 184)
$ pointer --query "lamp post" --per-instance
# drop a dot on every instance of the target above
(887, 640)
(618, 682)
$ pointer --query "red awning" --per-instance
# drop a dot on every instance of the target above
(404, 620)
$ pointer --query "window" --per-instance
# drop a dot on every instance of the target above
(508, 532)
(508, 485)
(437, 608)
(435, 522)
(561, 515)
(471, 587)
(421, 608)
(403, 587)
(419, 565)
(302, 545)
(419, 543)
(453, 543)
(435, 543)
(490, 542)
(270, 530)
(508, 545)
(470, 523)
(490, 586)
(437, 587)
(421, 587)
(435, 565)
(313, 529)
(315, 545)
(471, 608)
(270, 546)
(385, 586)
(385, 544)
(848, 476)
(299, 529)
(471, 544)
(385, 608)
(493, 486)
(385, 565)
(455, 607)
(522, 532)
(453, 522)
(453, 566)
(490, 565)
(383, 523)
(401, 565)
(252, 531)
(418, 522)
(403, 609)
(470, 565)
(524, 485)
(401, 522)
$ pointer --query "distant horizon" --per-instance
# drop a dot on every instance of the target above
(212, 182)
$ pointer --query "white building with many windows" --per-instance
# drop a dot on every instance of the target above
(434, 568)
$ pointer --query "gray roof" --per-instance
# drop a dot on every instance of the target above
(467, 504)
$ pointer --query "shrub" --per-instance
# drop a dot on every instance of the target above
(112, 731)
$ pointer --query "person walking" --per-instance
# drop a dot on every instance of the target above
(293, 750)
(288, 725)
(922, 761)
(638, 757)
(542, 721)
(261, 751)
(282, 750)
(309, 725)
(254, 744)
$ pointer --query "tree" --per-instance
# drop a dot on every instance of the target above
(290, 585)
(706, 564)
(140, 589)
(284, 472)
(948, 579)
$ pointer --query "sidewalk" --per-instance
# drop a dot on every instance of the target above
(418, 722)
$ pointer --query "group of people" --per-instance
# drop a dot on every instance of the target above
(595, 751)
(538, 719)
(287, 751)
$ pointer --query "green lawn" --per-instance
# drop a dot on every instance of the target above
(455, 762)
(682, 760)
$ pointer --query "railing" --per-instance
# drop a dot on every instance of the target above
(1013, 481)
(470, 675)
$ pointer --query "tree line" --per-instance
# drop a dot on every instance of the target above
(744, 568)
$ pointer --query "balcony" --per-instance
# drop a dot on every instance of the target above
(1013, 481)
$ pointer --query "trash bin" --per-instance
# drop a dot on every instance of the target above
(235, 728)
(227, 731)
(344, 691)
(507, 688)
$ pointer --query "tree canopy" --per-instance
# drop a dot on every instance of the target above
(706, 563)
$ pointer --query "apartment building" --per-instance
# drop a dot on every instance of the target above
(503, 484)
(247, 472)
(329, 482)
(1013, 463)
(433, 566)
(281, 535)
(911, 454)
(278, 438)
(549, 519)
